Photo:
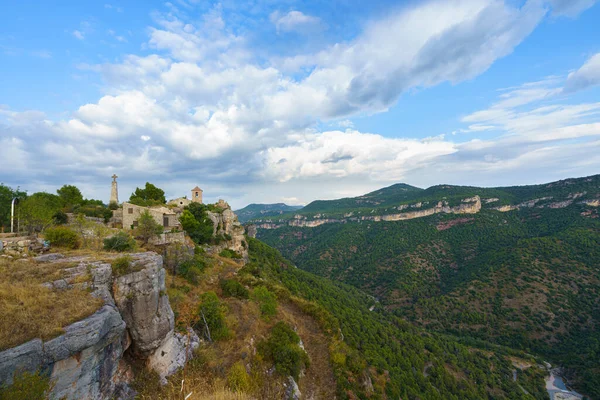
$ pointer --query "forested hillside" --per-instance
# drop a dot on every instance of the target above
(252, 211)
(528, 277)
(375, 354)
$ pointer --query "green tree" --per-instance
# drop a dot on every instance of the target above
(38, 210)
(70, 196)
(195, 221)
(212, 317)
(147, 227)
(150, 195)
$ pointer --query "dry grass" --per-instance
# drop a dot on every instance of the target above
(29, 310)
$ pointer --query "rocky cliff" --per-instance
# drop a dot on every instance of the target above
(226, 225)
(470, 205)
(87, 361)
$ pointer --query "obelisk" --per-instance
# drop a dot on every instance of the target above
(114, 191)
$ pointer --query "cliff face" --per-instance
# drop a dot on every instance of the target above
(470, 205)
(226, 223)
(87, 360)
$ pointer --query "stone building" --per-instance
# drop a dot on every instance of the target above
(162, 215)
(180, 202)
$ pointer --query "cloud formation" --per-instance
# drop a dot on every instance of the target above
(201, 109)
(294, 21)
(586, 76)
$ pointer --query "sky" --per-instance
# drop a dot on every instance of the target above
(290, 101)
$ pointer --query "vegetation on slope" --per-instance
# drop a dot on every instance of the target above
(528, 279)
(253, 211)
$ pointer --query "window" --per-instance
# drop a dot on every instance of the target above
(196, 194)
(165, 221)
(135, 223)
(130, 210)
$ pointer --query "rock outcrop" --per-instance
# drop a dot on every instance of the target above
(86, 362)
(142, 300)
(226, 224)
(470, 205)
(82, 362)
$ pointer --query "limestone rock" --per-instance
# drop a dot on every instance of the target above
(172, 355)
(26, 357)
(292, 391)
(142, 300)
(49, 257)
(85, 359)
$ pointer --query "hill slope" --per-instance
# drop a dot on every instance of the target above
(523, 271)
(253, 211)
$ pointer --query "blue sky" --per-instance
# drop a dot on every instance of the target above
(292, 101)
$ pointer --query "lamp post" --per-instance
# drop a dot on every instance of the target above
(12, 214)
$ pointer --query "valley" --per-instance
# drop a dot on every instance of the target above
(521, 272)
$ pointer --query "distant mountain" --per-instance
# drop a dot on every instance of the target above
(518, 266)
(263, 210)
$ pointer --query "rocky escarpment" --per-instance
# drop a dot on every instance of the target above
(470, 205)
(226, 225)
(87, 360)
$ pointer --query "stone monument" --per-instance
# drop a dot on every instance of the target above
(114, 191)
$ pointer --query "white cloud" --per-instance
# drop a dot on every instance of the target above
(586, 76)
(294, 21)
(78, 34)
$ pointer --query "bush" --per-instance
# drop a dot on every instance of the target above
(191, 270)
(120, 242)
(27, 386)
(228, 253)
(238, 379)
(266, 300)
(232, 288)
(283, 349)
(212, 317)
(60, 218)
(62, 236)
(121, 266)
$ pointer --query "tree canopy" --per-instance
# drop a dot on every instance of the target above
(150, 195)
(70, 196)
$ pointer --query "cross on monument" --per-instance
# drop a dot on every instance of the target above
(114, 177)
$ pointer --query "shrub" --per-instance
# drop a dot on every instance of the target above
(283, 349)
(238, 379)
(212, 317)
(119, 242)
(60, 218)
(27, 386)
(266, 300)
(232, 288)
(228, 253)
(62, 236)
(191, 270)
(121, 266)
